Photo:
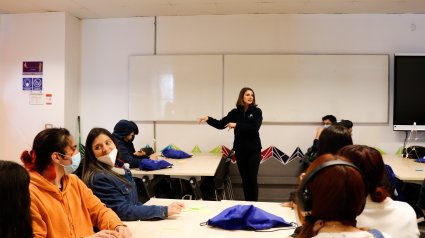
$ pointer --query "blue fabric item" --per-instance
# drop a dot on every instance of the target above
(123, 199)
(150, 164)
(420, 160)
(376, 233)
(246, 217)
(175, 154)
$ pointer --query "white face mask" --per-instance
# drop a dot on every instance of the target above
(326, 126)
(110, 158)
(75, 162)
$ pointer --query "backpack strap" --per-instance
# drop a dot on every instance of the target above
(376, 233)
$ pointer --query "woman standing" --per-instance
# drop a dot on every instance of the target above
(61, 204)
(246, 121)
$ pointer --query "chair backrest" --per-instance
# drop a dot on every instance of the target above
(222, 171)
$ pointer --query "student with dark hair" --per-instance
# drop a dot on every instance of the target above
(311, 153)
(328, 120)
(330, 197)
(124, 133)
(246, 121)
(331, 139)
(61, 204)
(347, 124)
(15, 219)
(396, 218)
(115, 186)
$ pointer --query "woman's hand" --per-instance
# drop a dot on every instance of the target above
(153, 156)
(139, 153)
(318, 132)
(202, 119)
(231, 125)
(175, 208)
(123, 232)
(105, 234)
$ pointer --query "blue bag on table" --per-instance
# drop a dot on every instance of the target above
(175, 154)
(247, 217)
(150, 164)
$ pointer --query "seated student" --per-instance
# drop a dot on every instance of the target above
(329, 205)
(124, 132)
(396, 218)
(347, 124)
(15, 219)
(327, 121)
(61, 204)
(331, 139)
(116, 187)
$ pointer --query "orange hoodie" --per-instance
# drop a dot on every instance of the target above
(72, 212)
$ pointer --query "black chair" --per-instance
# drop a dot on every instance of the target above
(222, 183)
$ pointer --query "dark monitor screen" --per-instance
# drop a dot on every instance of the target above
(409, 92)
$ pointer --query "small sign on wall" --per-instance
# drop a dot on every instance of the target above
(36, 99)
(32, 67)
(32, 84)
(27, 84)
(49, 98)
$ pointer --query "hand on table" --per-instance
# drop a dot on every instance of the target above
(175, 208)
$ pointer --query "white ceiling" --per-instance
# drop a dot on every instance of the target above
(130, 8)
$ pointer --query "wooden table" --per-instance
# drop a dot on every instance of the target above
(190, 169)
(187, 223)
(406, 169)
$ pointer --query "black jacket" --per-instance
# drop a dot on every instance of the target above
(247, 136)
(126, 148)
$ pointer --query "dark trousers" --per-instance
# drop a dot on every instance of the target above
(248, 165)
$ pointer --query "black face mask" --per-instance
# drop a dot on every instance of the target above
(132, 139)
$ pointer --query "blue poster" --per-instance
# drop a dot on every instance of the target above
(27, 84)
(37, 84)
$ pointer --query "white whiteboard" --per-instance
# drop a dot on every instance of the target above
(303, 88)
(175, 88)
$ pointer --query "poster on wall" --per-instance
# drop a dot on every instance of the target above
(32, 84)
(32, 67)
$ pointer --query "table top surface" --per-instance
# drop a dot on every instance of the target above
(197, 165)
(187, 223)
(406, 169)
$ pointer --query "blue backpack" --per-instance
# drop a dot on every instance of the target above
(175, 154)
(247, 217)
(150, 164)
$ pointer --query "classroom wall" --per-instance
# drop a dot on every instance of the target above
(107, 43)
(72, 72)
(106, 47)
(49, 37)
(244, 34)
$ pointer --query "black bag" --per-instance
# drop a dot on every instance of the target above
(414, 152)
(148, 151)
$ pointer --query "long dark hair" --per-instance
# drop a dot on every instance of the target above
(240, 103)
(45, 144)
(15, 219)
(91, 164)
(370, 161)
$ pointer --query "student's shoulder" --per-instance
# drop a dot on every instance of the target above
(101, 175)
